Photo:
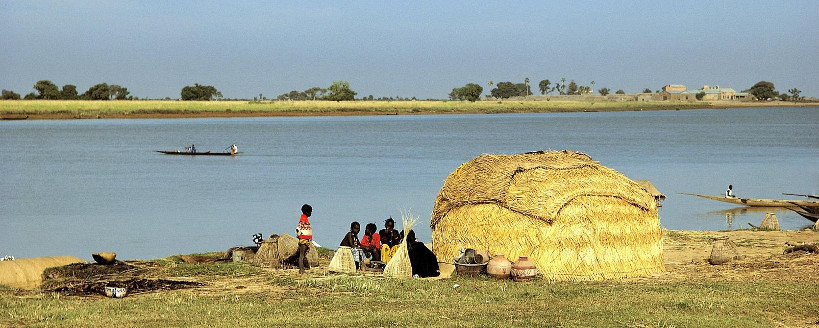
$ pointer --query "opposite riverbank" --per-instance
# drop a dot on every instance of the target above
(118, 109)
(764, 288)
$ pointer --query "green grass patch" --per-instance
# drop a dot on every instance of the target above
(340, 301)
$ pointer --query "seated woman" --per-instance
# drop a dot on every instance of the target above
(424, 262)
(371, 242)
(351, 240)
(390, 240)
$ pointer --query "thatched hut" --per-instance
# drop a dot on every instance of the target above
(651, 189)
(28, 273)
(576, 219)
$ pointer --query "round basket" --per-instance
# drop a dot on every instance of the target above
(470, 270)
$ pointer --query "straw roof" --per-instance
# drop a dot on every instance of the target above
(28, 273)
(576, 219)
(648, 186)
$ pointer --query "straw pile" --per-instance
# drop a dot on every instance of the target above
(399, 265)
(342, 261)
(28, 273)
(770, 222)
(576, 219)
(281, 249)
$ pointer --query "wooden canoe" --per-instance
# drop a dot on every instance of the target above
(787, 203)
(810, 216)
(207, 153)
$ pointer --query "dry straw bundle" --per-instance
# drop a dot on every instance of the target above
(342, 261)
(278, 249)
(576, 219)
(399, 265)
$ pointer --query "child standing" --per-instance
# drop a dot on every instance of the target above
(305, 234)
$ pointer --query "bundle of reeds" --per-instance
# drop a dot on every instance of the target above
(770, 222)
(576, 219)
(342, 261)
(399, 265)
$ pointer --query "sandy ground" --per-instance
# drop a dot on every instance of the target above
(687, 252)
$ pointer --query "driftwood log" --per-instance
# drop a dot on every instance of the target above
(794, 247)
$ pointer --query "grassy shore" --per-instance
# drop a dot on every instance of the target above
(75, 109)
(764, 289)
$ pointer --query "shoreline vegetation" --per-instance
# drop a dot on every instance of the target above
(764, 287)
(119, 109)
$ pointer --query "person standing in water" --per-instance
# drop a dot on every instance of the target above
(305, 234)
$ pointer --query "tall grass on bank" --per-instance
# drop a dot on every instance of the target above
(87, 108)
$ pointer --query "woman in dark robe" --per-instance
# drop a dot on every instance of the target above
(424, 262)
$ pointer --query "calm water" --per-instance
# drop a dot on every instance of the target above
(78, 187)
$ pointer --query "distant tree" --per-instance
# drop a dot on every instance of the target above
(604, 91)
(561, 88)
(584, 90)
(784, 97)
(315, 92)
(544, 86)
(296, 95)
(646, 90)
(573, 90)
(700, 95)
(470, 92)
(10, 95)
(47, 90)
(31, 96)
(794, 94)
(99, 91)
(592, 86)
(620, 92)
(763, 90)
(491, 83)
(340, 91)
(69, 92)
(198, 92)
(528, 89)
(508, 89)
(117, 92)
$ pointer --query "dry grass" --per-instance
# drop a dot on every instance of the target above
(170, 108)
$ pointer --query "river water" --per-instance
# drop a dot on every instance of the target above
(74, 187)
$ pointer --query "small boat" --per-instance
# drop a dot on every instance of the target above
(14, 118)
(207, 153)
(810, 216)
(787, 203)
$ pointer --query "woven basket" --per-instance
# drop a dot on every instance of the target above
(470, 270)
(342, 261)
(723, 251)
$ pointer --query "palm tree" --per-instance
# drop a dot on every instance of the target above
(592, 87)
(526, 82)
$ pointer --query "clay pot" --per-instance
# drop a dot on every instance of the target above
(524, 269)
(499, 267)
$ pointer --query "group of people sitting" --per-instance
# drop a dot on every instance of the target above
(381, 246)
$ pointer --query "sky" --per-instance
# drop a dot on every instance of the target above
(408, 49)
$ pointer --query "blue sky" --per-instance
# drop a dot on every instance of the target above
(421, 49)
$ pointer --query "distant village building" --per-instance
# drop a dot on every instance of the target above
(674, 87)
(678, 92)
